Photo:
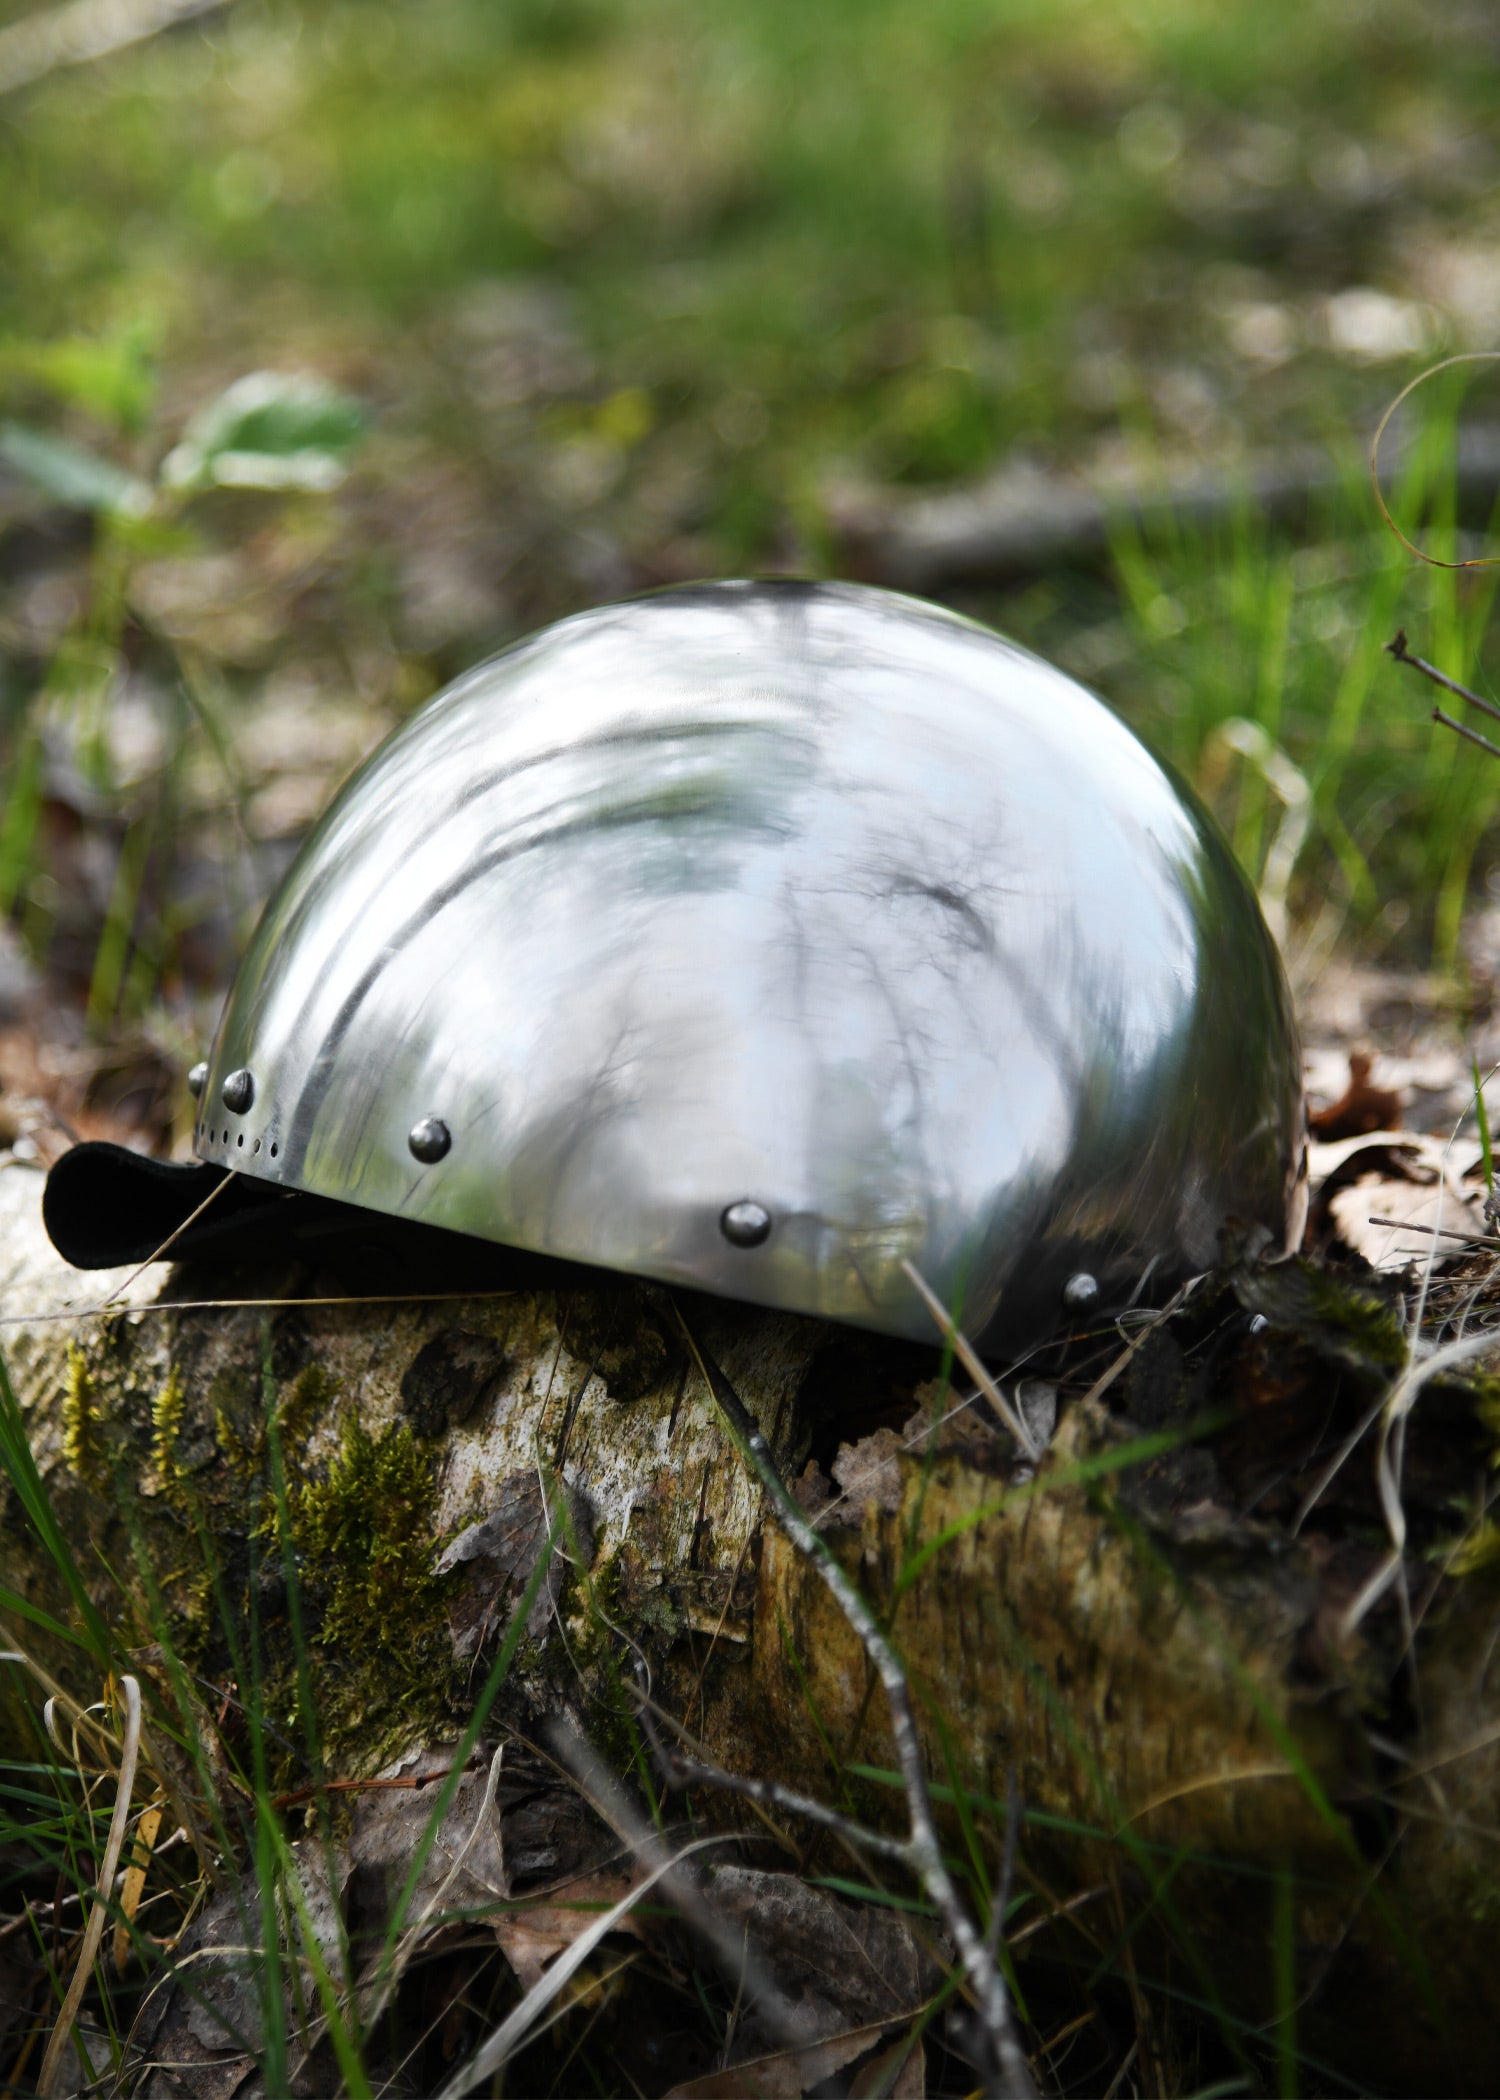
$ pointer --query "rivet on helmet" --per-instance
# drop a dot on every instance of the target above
(238, 1091)
(429, 1140)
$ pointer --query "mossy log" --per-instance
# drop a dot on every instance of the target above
(1197, 1738)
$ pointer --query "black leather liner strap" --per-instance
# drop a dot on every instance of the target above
(105, 1207)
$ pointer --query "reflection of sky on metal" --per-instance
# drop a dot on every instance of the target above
(807, 894)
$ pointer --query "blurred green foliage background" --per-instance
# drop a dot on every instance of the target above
(639, 291)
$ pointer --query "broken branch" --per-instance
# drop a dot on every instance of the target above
(1397, 647)
(1012, 2075)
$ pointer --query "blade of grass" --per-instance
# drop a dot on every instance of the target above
(20, 1469)
(1483, 1116)
(335, 2008)
(118, 931)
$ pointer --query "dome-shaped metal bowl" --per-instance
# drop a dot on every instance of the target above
(758, 937)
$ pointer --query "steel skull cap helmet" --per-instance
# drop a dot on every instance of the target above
(764, 937)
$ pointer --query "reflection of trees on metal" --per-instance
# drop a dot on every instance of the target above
(801, 895)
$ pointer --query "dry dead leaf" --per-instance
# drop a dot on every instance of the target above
(1393, 1197)
(464, 1866)
(869, 1471)
(531, 1938)
(838, 1963)
(897, 2072)
(1361, 1108)
(813, 1489)
(497, 1556)
(786, 2074)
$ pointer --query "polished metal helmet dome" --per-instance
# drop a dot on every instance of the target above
(762, 937)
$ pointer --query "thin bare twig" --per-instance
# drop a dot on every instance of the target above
(1440, 1232)
(414, 1784)
(1462, 729)
(1025, 521)
(1010, 2075)
(680, 1773)
(40, 1914)
(1396, 647)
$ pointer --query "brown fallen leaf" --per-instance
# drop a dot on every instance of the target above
(813, 1489)
(1393, 1197)
(531, 1937)
(897, 2072)
(838, 1964)
(869, 1471)
(495, 1559)
(463, 1865)
(786, 2074)
(1361, 1109)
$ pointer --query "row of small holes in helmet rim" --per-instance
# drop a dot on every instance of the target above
(223, 1136)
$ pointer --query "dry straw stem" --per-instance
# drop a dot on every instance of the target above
(135, 1883)
(112, 1308)
(176, 1234)
(969, 1357)
(1394, 1409)
(1010, 2075)
(1424, 1363)
(1397, 1405)
(81, 1719)
(52, 2062)
(1433, 561)
(118, 1301)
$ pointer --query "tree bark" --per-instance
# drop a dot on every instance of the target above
(1195, 1736)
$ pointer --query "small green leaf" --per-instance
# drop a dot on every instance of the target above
(112, 374)
(270, 430)
(71, 475)
(1481, 1549)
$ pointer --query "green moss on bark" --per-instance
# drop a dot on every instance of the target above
(364, 1539)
